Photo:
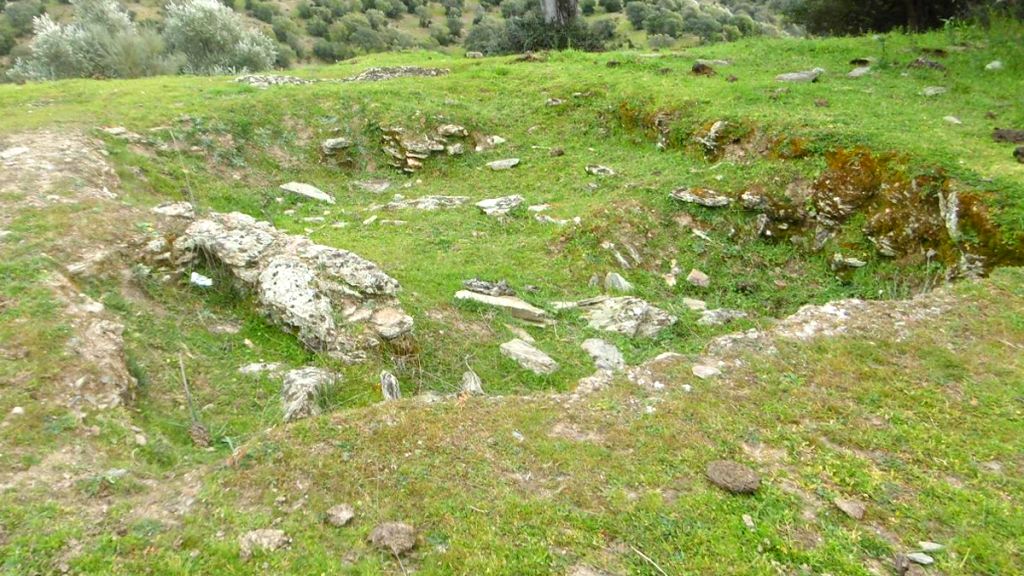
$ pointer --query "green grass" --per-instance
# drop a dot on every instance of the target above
(905, 426)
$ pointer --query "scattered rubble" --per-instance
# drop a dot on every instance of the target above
(391, 72)
(627, 315)
(264, 81)
(428, 203)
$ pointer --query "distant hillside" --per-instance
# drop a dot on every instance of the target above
(333, 30)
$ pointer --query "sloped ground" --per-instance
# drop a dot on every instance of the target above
(907, 408)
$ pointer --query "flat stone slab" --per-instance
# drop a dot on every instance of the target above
(500, 206)
(529, 357)
(307, 190)
(506, 164)
(515, 306)
(701, 196)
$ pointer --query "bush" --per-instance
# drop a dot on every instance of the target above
(264, 12)
(611, 6)
(332, 51)
(659, 41)
(487, 37)
(20, 14)
(101, 41)
(603, 30)
(423, 13)
(214, 39)
(637, 12)
(588, 7)
(7, 38)
(317, 27)
(454, 27)
(440, 33)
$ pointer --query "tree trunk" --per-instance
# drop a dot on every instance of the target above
(558, 12)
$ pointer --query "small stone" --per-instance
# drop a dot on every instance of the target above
(614, 282)
(499, 288)
(474, 55)
(698, 278)
(9, 153)
(340, 515)
(701, 196)
(197, 279)
(390, 322)
(556, 152)
(389, 386)
(308, 191)
(373, 186)
(933, 91)
(627, 315)
(953, 120)
(840, 262)
(471, 383)
(720, 316)
(183, 210)
(606, 356)
(805, 76)
(506, 164)
(994, 65)
(733, 477)
(859, 72)
(529, 357)
(264, 540)
(920, 558)
(500, 206)
(452, 130)
(694, 304)
(705, 372)
(927, 546)
(395, 537)
(598, 170)
(17, 411)
(852, 508)
(554, 102)
(748, 522)
(334, 145)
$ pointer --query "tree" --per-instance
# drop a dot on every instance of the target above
(214, 39)
(559, 13)
(454, 27)
(611, 6)
(842, 17)
(423, 13)
(587, 7)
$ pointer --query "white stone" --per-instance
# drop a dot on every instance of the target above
(301, 391)
(529, 357)
(511, 304)
(471, 383)
(705, 372)
(994, 65)
(500, 206)
(264, 540)
(506, 164)
(389, 386)
(701, 197)
(606, 356)
(920, 558)
(698, 278)
(390, 322)
(805, 76)
(308, 191)
(9, 153)
(694, 304)
(859, 72)
(614, 282)
(197, 279)
(628, 315)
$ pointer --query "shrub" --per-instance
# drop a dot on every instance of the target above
(637, 12)
(7, 38)
(214, 39)
(317, 27)
(659, 41)
(587, 7)
(20, 14)
(423, 13)
(440, 33)
(264, 12)
(487, 37)
(101, 41)
(454, 27)
(611, 6)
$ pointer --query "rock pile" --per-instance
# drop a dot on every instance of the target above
(315, 291)
(264, 81)
(392, 72)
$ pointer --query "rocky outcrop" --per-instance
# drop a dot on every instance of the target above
(300, 394)
(318, 292)
(409, 150)
(628, 315)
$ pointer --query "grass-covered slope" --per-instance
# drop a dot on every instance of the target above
(922, 426)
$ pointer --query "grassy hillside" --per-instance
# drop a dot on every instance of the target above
(915, 413)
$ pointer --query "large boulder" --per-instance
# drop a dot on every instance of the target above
(315, 291)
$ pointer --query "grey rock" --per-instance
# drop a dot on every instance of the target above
(257, 368)
(598, 170)
(308, 191)
(390, 322)
(920, 558)
(930, 547)
(701, 196)
(713, 63)
(705, 372)
(312, 290)
(471, 383)
(859, 72)
(428, 203)
(514, 306)
(452, 130)
(720, 316)
(733, 477)
(805, 76)
(506, 164)
(933, 91)
(301, 392)
(395, 537)
(627, 315)
(263, 540)
(474, 55)
(377, 74)
(840, 262)
(340, 515)
(332, 146)
(389, 386)
(606, 356)
(953, 120)
(500, 288)
(698, 278)
(529, 357)
(500, 206)
(994, 66)
(183, 210)
(614, 282)
(694, 304)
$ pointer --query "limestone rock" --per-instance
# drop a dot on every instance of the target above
(529, 357)
(698, 278)
(340, 515)
(263, 540)
(428, 203)
(390, 322)
(933, 91)
(859, 72)
(500, 206)
(614, 282)
(500, 288)
(308, 191)
(733, 477)
(720, 316)
(332, 146)
(515, 306)
(701, 196)
(606, 356)
(377, 74)
(471, 383)
(264, 81)
(300, 394)
(373, 186)
(389, 386)
(506, 164)
(994, 66)
(312, 290)
(598, 170)
(395, 537)
(805, 76)
(705, 372)
(920, 558)
(628, 315)
(183, 210)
